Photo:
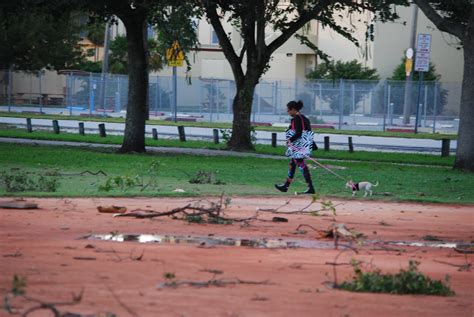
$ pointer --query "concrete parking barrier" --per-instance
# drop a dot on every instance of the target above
(182, 135)
(81, 128)
(102, 132)
(445, 144)
(274, 139)
(215, 133)
(29, 127)
(351, 146)
(55, 126)
(326, 143)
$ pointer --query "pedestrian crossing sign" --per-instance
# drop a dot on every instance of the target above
(175, 55)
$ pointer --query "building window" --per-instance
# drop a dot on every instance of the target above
(214, 38)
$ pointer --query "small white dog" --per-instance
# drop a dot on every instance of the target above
(366, 186)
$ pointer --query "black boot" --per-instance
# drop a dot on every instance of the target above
(282, 187)
(307, 178)
(309, 190)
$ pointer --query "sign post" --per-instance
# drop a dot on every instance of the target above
(422, 64)
(175, 57)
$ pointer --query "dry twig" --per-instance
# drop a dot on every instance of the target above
(213, 211)
(128, 309)
(461, 267)
(211, 282)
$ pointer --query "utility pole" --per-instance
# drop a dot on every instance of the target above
(105, 65)
(409, 78)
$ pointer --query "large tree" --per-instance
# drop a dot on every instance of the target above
(252, 18)
(33, 38)
(457, 18)
(136, 15)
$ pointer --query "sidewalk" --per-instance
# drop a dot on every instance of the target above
(337, 141)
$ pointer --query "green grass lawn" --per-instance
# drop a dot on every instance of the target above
(408, 158)
(236, 175)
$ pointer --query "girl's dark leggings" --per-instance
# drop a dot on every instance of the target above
(303, 168)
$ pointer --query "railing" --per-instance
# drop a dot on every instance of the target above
(340, 104)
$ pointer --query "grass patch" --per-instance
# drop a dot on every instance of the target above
(237, 175)
(409, 281)
(228, 125)
(407, 158)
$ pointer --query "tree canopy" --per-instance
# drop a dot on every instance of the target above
(343, 70)
(38, 37)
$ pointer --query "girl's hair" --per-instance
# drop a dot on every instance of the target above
(297, 105)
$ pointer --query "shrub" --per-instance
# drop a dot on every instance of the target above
(409, 281)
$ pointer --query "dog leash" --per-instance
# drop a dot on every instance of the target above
(313, 160)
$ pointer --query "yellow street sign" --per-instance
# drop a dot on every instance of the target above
(175, 55)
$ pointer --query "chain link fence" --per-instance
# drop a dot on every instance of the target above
(338, 104)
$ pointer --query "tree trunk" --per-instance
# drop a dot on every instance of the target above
(242, 107)
(465, 147)
(137, 107)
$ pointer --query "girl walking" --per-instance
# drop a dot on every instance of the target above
(299, 139)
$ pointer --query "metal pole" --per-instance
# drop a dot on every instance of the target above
(105, 66)
(320, 102)
(385, 105)
(435, 106)
(10, 88)
(104, 92)
(217, 99)
(211, 99)
(118, 101)
(341, 102)
(41, 96)
(229, 102)
(409, 79)
(259, 98)
(389, 104)
(175, 94)
(353, 103)
(420, 80)
(253, 104)
(424, 106)
(91, 94)
(157, 94)
(68, 92)
(200, 97)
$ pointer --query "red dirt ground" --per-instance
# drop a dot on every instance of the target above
(42, 245)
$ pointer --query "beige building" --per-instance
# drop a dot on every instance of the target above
(293, 60)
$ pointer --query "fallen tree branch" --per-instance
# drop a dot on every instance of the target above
(42, 305)
(99, 172)
(211, 282)
(311, 227)
(275, 209)
(299, 211)
(462, 267)
(213, 211)
(121, 303)
(141, 215)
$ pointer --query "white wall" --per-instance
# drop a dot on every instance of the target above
(392, 40)
(340, 48)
